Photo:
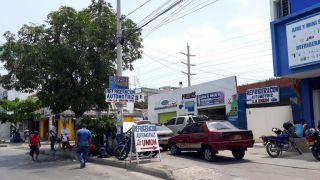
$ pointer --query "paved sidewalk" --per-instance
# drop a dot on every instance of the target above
(192, 165)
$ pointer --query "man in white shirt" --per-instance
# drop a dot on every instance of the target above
(65, 133)
(53, 136)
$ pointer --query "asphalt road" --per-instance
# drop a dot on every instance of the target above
(16, 164)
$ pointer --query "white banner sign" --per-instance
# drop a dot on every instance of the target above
(119, 95)
(146, 138)
(303, 41)
(263, 95)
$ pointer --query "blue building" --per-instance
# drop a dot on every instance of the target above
(295, 30)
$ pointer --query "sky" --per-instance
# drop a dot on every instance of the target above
(227, 37)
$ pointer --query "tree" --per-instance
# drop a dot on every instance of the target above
(19, 111)
(68, 61)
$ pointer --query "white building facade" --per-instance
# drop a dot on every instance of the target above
(213, 99)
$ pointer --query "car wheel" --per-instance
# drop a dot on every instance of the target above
(164, 147)
(238, 154)
(208, 154)
(174, 149)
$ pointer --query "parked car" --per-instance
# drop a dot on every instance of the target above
(178, 123)
(164, 134)
(209, 137)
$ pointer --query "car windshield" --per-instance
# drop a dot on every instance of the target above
(219, 125)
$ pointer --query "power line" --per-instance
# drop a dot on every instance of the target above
(138, 8)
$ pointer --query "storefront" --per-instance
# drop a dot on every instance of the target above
(296, 53)
(266, 105)
(216, 99)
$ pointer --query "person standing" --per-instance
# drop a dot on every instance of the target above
(83, 140)
(53, 136)
(65, 133)
(34, 144)
(26, 134)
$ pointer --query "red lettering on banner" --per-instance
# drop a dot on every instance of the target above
(149, 142)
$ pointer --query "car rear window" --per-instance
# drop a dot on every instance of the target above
(219, 125)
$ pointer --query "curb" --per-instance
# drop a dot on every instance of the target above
(3, 145)
(160, 173)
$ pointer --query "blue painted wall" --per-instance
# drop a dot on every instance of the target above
(279, 43)
(298, 5)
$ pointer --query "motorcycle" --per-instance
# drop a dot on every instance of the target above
(275, 145)
(123, 149)
(313, 140)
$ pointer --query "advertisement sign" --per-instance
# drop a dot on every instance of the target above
(213, 98)
(146, 138)
(119, 95)
(166, 103)
(263, 95)
(118, 82)
(303, 41)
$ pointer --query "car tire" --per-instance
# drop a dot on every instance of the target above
(238, 154)
(174, 149)
(208, 154)
(165, 148)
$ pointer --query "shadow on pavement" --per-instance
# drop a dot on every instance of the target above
(221, 160)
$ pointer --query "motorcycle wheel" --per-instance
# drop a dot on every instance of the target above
(316, 152)
(121, 153)
(273, 149)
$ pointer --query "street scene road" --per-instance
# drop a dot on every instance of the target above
(149, 89)
(256, 164)
(16, 164)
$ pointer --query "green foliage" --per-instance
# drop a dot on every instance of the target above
(99, 126)
(18, 111)
(68, 60)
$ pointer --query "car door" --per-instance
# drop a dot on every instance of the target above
(183, 139)
(171, 124)
(196, 137)
(180, 124)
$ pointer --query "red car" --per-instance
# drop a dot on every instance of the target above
(209, 137)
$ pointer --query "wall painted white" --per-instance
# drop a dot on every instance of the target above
(316, 106)
(227, 85)
(262, 120)
(4, 130)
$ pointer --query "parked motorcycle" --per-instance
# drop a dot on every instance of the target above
(123, 149)
(275, 145)
(313, 140)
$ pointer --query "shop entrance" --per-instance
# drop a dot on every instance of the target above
(316, 106)
(215, 113)
(163, 117)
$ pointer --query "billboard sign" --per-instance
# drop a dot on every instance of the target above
(146, 138)
(208, 99)
(263, 95)
(119, 95)
(303, 41)
(118, 82)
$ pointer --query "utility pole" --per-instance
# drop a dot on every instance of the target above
(188, 64)
(119, 67)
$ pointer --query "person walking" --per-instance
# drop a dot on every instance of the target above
(65, 133)
(53, 136)
(83, 140)
(34, 144)
(26, 135)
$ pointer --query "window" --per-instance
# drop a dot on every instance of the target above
(187, 130)
(197, 128)
(137, 98)
(140, 96)
(171, 121)
(180, 120)
(190, 120)
(220, 125)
